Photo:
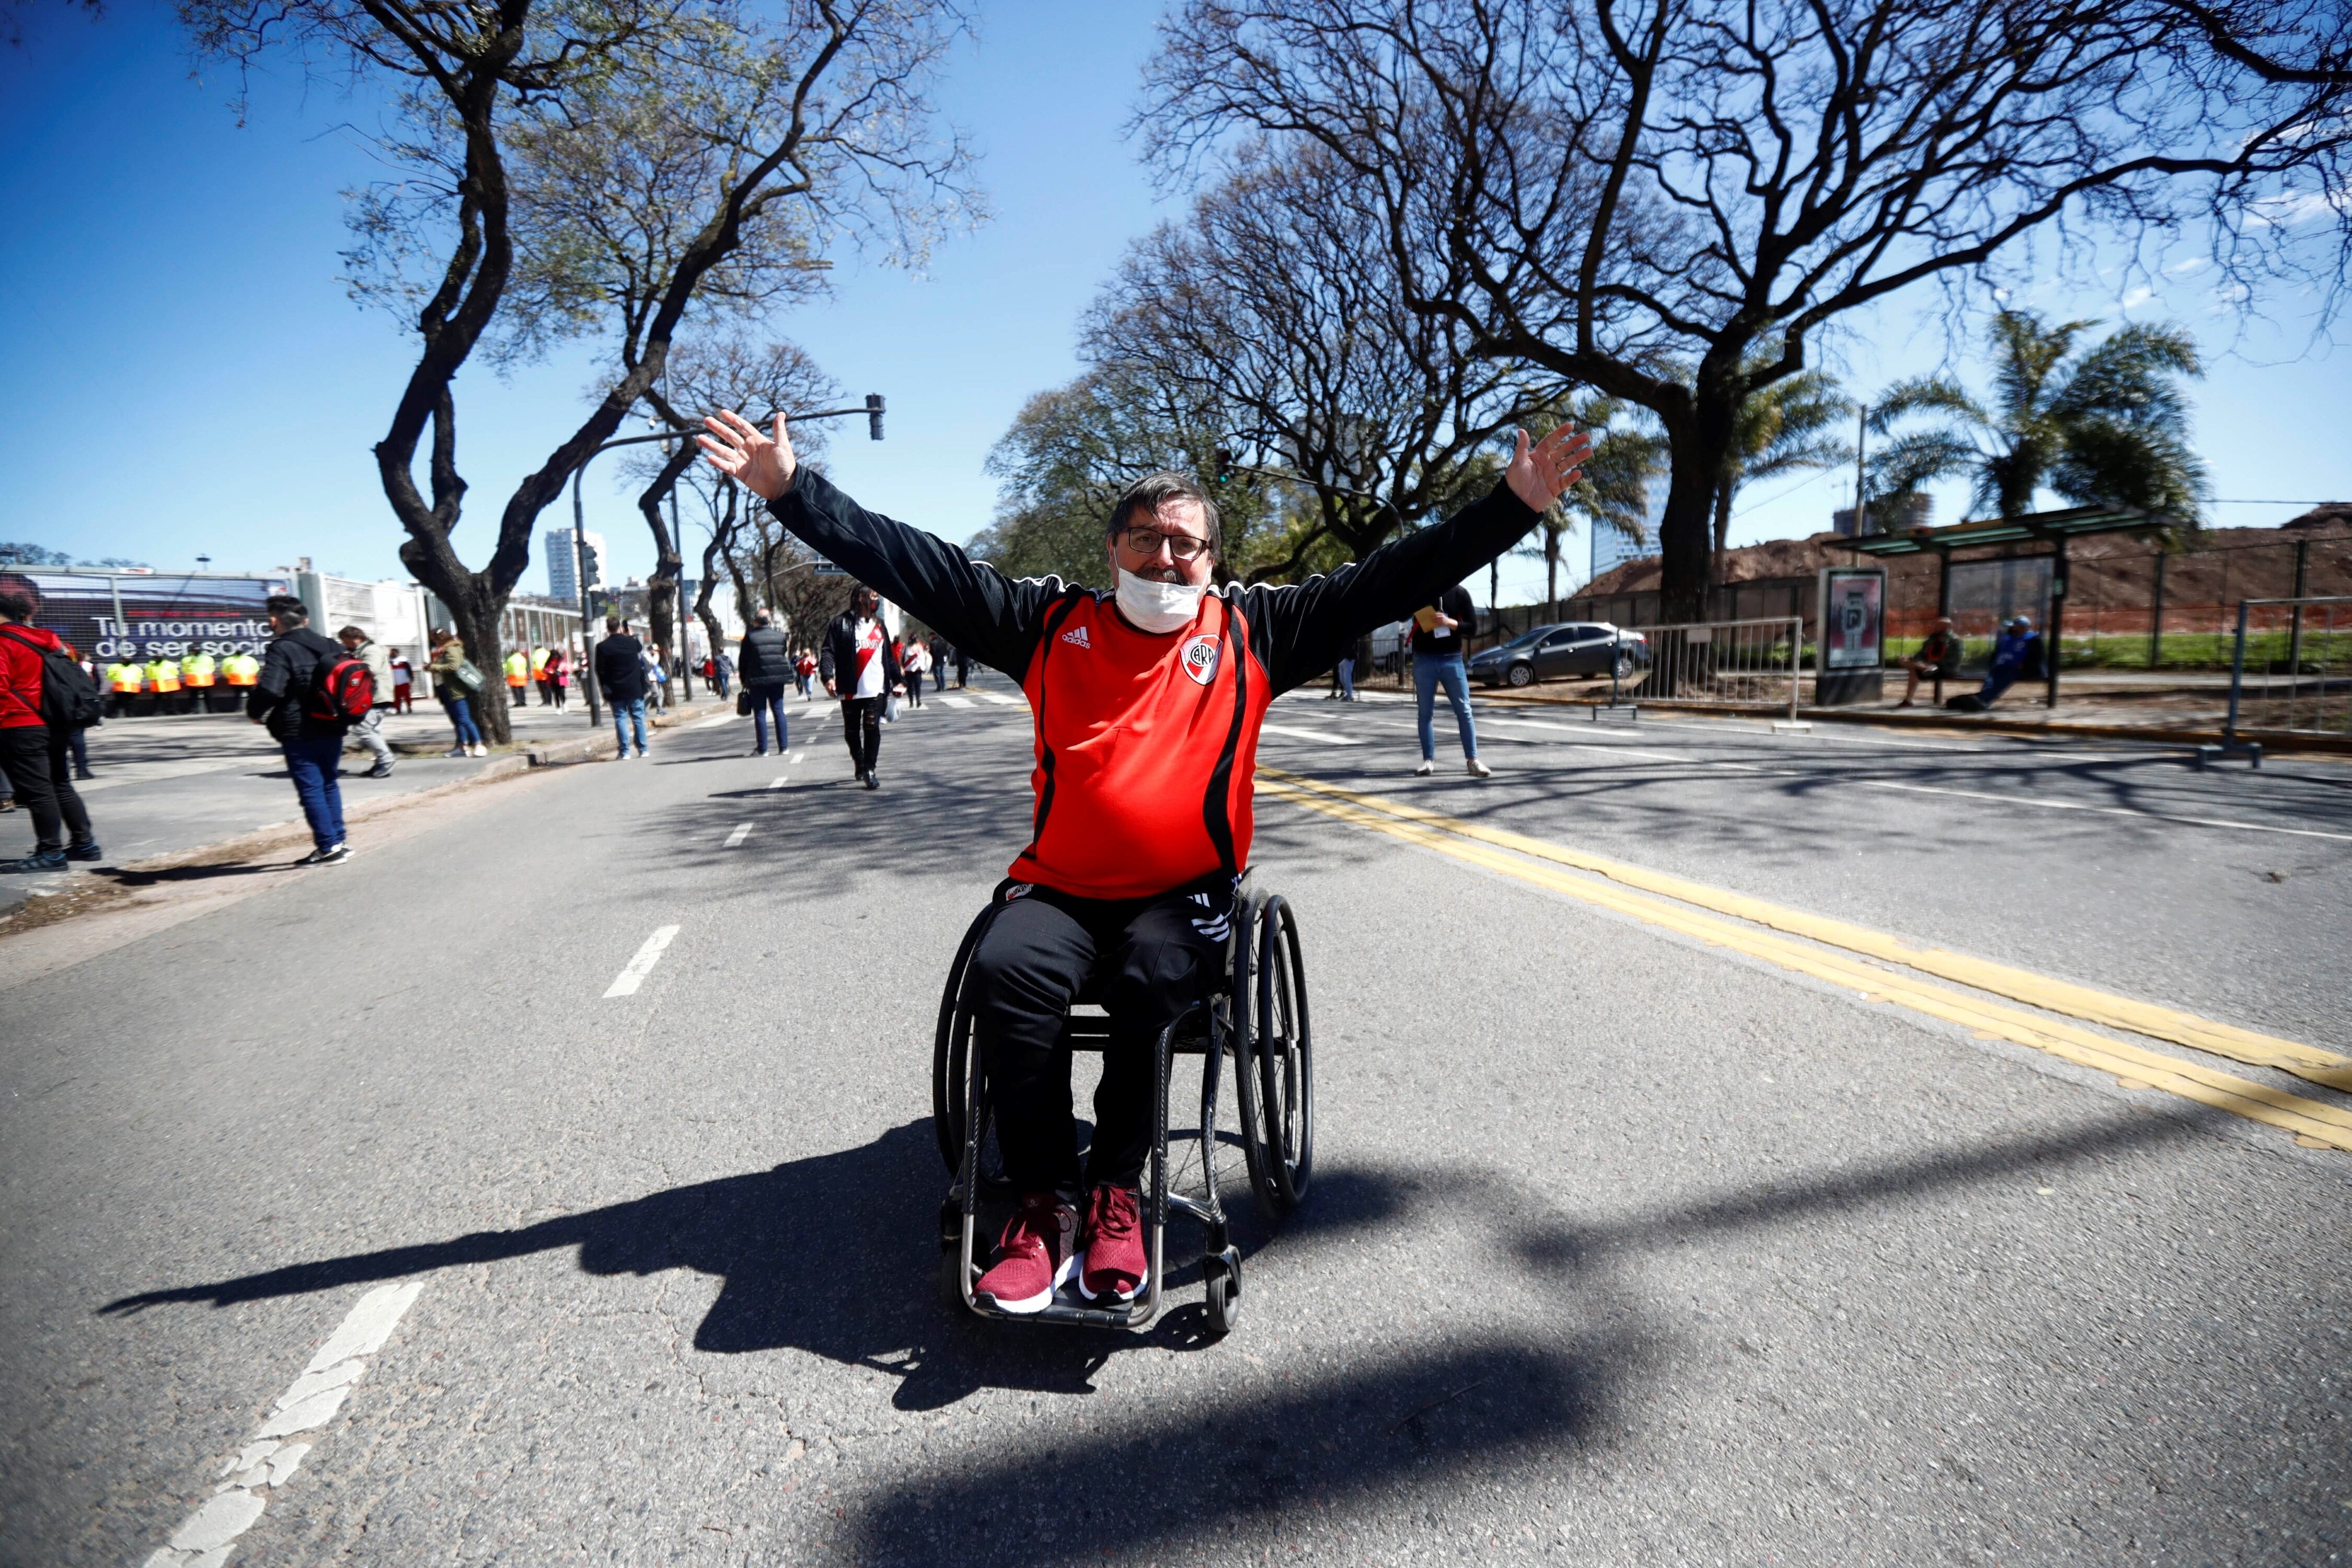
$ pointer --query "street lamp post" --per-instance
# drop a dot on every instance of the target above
(872, 408)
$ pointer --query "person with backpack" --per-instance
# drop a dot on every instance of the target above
(369, 730)
(42, 704)
(304, 695)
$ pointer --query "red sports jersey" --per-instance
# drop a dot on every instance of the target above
(1145, 744)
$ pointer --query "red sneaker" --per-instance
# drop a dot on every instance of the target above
(1034, 1258)
(1112, 1262)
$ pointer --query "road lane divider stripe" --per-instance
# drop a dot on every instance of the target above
(255, 1473)
(1295, 733)
(625, 983)
(2309, 1119)
(777, 781)
(2312, 1063)
(735, 839)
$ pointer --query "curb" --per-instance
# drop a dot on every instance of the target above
(2271, 741)
(540, 753)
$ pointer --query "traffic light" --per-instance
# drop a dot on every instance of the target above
(873, 415)
(1224, 465)
(589, 573)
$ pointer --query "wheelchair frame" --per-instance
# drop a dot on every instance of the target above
(1256, 1014)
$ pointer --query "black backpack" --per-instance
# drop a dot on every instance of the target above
(69, 699)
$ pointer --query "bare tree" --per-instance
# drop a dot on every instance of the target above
(1671, 200)
(546, 143)
(1276, 301)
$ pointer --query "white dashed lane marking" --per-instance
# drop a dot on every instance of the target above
(742, 831)
(1325, 736)
(777, 781)
(625, 983)
(255, 1472)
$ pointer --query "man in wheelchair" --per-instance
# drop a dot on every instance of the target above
(1147, 702)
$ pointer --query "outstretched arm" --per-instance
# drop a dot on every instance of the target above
(1306, 627)
(971, 601)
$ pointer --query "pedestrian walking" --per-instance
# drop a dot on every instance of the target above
(539, 660)
(722, 673)
(936, 652)
(403, 685)
(804, 669)
(34, 738)
(1439, 633)
(765, 663)
(860, 670)
(621, 672)
(458, 682)
(369, 730)
(290, 702)
(657, 663)
(914, 659)
(559, 677)
(963, 669)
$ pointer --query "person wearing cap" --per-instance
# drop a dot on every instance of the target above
(2015, 652)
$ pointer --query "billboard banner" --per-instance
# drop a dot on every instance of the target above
(108, 616)
(1854, 618)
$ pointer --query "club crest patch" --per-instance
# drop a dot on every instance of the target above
(1200, 658)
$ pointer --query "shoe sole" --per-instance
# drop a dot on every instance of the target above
(1123, 1297)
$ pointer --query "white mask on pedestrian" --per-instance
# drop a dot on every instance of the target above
(1156, 607)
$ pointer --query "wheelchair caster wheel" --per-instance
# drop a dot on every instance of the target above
(1222, 1274)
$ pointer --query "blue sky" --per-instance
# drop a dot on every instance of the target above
(189, 377)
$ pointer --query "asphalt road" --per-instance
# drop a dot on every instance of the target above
(1624, 1247)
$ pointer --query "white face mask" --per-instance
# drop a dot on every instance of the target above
(1158, 606)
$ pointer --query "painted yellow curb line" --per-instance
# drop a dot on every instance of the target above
(2313, 1063)
(2309, 1119)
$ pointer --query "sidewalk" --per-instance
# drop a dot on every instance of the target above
(173, 786)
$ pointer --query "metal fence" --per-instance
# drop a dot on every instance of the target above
(2290, 667)
(1737, 664)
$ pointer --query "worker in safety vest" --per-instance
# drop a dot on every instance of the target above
(198, 672)
(121, 688)
(241, 669)
(518, 675)
(539, 677)
(163, 681)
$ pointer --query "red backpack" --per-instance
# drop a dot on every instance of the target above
(341, 690)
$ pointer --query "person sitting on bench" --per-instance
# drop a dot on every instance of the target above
(1939, 657)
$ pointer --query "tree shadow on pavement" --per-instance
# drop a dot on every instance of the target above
(124, 877)
(836, 1254)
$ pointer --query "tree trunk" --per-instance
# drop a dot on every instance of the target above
(661, 588)
(476, 613)
(1724, 492)
(1551, 574)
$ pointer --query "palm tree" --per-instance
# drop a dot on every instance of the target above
(2108, 424)
(1786, 426)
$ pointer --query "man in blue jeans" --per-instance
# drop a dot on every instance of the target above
(281, 698)
(621, 672)
(1439, 631)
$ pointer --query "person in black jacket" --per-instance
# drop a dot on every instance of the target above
(621, 672)
(766, 666)
(860, 667)
(1439, 632)
(313, 746)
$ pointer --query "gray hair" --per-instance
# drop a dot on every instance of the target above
(1149, 493)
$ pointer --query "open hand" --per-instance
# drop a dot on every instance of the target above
(743, 454)
(1541, 475)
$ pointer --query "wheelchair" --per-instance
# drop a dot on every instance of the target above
(1254, 1013)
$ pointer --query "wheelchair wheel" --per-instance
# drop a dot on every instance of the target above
(951, 1050)
(1285, 1055)
(1222, 1281)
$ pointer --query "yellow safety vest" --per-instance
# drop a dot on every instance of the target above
(539, 664)
(241, 669)
(197, 669)
(124, 678)
(518, 669)
(164, 674)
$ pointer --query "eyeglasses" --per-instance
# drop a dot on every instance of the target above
(1147, 541)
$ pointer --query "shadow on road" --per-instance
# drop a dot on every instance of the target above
(835, 1255)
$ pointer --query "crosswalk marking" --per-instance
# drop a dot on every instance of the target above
(955, 702)
(625, 983)
(999, 699)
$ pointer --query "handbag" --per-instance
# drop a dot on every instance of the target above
(469, 676)
(743, 702)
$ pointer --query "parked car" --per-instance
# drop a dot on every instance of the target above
(1563, 650)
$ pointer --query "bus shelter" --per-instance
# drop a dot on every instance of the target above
(1989, 538)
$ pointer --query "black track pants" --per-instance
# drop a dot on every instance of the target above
(35, 759)
(861, 726)
(1156, 957)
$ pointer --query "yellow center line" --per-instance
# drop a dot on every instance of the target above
(2311, 1121)
(2312, 1062)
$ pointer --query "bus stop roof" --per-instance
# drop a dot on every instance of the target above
(2064, 523)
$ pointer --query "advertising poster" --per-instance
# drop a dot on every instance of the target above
(106, 617)
(1854, 618)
